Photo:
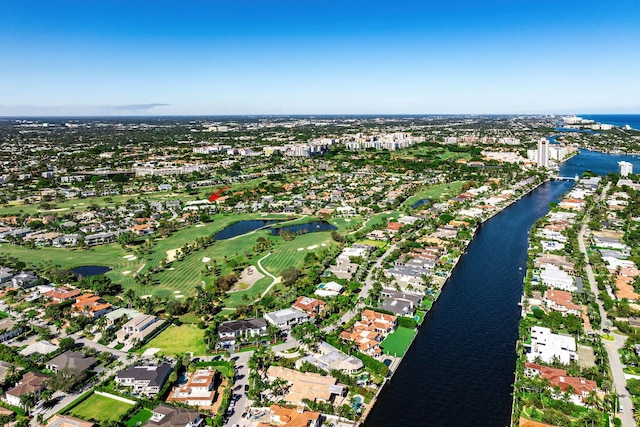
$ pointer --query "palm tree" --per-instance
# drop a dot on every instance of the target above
(28, 401)
(592, 399)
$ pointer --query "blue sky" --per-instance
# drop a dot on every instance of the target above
(318, 57)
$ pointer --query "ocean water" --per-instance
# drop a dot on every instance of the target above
(632, 120)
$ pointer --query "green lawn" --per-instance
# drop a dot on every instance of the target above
(142, 416)
(376, 243)
(179, 339)
(100, 408)
(396, 344)
(436, 192)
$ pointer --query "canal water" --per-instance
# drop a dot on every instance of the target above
(460, 368)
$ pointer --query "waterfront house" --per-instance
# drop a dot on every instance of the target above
(308, 385)
(281, 416)
(562, 302)
(549, 346)
(399, 303)
(329, 358)
(370, 331)
(556, 278)
(580, 387)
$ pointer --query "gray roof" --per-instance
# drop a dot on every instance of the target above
(172, 417)
(242, 325)
(397, 307)
(285, 315)
(612, 254)
(393, 294)
(156, 375)
(410, 271)
(72, 360)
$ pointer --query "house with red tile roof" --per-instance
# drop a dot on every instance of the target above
(310, 306)
(579, 387)
(60, 295)
(290, 417)
(561, 301)
(393, 227)
(90, 305)
(370, 331)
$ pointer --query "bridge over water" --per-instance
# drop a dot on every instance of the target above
(565, 178)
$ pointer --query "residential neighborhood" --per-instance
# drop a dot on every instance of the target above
(246, 275)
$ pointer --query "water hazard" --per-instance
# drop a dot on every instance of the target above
(90, 270)
(241, 227)
(460, 369)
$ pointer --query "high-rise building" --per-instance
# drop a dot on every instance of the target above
(625, 168)
(542, 158)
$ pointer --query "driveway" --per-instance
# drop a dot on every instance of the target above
(242, 378)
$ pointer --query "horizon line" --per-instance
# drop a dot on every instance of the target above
(71, 116)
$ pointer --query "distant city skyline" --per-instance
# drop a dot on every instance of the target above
(247, 57)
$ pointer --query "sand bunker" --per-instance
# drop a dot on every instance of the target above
(301, 249)
(249, 276)
(199, 225)
(312, 247)
(172, 255)
(130, 257)
(126, 272)
(206, 259)
(323, 244)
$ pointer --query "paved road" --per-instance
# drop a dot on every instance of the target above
(362, 296)
(242, 378)
(619, 381)
(590, 276)
(612, 347)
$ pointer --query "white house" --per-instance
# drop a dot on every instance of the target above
(547, 346)
(556, 278)
(286, 318)
(330, 289)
